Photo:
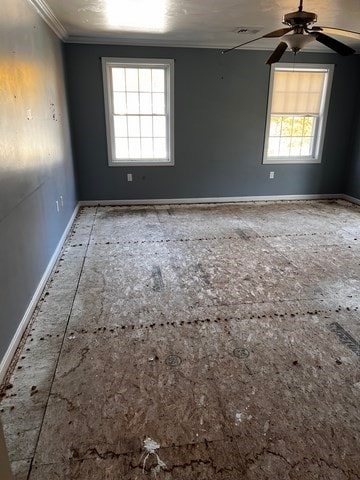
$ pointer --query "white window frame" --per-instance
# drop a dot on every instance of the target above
(321, 120)
(168, 64)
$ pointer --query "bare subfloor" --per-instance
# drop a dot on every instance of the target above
(194, 342)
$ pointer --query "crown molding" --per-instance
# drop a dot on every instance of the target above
(135, 42)
(104, 40)
(50, 18)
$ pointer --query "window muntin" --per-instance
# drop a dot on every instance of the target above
(139, 111)
(297, 109)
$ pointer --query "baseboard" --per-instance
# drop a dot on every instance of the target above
(169, 201)
(5, 362)
(351, 199)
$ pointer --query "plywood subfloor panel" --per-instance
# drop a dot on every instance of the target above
(226, 334)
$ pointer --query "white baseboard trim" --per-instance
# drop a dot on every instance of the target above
(6, 360)
(351, 199)
(170, 201)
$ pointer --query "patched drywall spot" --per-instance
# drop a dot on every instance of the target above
(53, 112)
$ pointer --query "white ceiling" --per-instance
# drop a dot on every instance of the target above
(195, 23)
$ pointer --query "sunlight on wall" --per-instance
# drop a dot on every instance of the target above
(27, 95)
(18, 77)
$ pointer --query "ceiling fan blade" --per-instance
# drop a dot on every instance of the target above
(277, 53)
(278, 33)
(274, 34)
(338, 31)
(335, 45)
(240, 45)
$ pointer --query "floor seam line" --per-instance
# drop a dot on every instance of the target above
(61, 347)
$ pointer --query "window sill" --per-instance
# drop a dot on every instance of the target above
(135, 163)
(291, 161)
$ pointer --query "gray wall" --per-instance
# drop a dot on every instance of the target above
(220, 109)
(35, 158)
(353, 178)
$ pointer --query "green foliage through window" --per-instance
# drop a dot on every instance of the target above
(291, 135)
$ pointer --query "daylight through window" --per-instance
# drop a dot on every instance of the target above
(139, 110)
(297, 110)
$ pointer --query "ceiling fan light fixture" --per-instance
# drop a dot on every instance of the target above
(297, 41)
(301, 24)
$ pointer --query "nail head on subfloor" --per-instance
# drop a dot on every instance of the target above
(173, 361)
(241, 353)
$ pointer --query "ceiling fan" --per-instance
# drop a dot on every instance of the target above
(300, 32)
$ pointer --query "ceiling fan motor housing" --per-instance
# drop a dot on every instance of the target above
(299, 19)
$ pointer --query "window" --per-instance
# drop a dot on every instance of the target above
(139, 110)
(297, 109)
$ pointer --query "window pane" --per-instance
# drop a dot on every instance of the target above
(286, 126)
(118, 78)
(134, 148)
(158, 84)
(134, 126)
(298, 127)
(309, 123)
(145, 79)
(295, 147)
(306, 147)
(132, 84)
(119, 103)
(147, 150)
(159, 127)
(120, 127)
(158, 103)
(159, 148)
(132, 103)
(273, 147)
(145, 103)
(275, 126)
(146, 126)
(121, 148)
(284, 148)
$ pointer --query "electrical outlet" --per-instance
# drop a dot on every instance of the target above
(272, 174)
(57, 206)
(62, 201)
(129, 177)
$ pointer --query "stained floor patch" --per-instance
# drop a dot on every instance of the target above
(158, 283)
(345, 338)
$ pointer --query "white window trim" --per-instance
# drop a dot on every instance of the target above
(321, 125)
(107, 63)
